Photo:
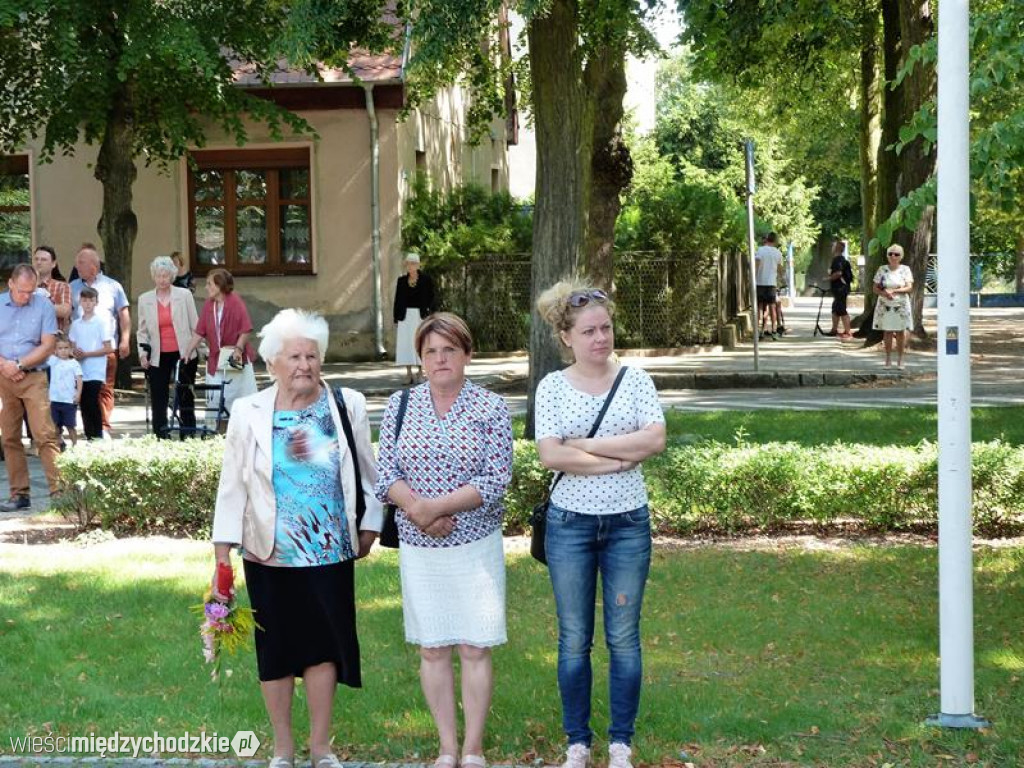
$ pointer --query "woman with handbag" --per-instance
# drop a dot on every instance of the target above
(296, 495)
(597, 520)
(414, 300)
(447, 472)
(167, 320)
(225, 326)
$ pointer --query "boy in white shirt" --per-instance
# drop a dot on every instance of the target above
(92, 340)
(65, 390)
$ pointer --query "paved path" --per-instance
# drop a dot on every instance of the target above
(791, 376)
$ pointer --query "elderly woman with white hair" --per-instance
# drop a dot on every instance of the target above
(296, 495)
(167, 320)
(414, 300)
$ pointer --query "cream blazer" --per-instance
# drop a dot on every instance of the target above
(184, 317)
(246, 511)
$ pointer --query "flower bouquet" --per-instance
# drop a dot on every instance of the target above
(226, 627)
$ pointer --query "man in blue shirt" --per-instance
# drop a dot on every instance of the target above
(28, 325)
(112, 305)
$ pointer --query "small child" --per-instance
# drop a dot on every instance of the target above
(92, 341)
(65, 389)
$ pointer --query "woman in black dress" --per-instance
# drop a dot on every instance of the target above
(414, 300)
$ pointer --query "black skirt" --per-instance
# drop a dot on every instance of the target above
(306, 616)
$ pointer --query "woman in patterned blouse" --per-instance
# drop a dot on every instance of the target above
(447, 473)
(288, 497)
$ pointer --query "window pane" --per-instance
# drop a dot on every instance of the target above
(210, 235)
(294, 183)
(251, 185)
(252, 235)
(14, 189)
(295, 234)
(209, 185)
(15, 239)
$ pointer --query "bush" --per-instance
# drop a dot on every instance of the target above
(143, 485)
(150, 486)
(452, 226)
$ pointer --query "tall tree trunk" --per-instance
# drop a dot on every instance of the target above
(1020, 262)
(115, 170)
(611, 165)
(563, 120)
(818, 268)
(888, 163)
(869, 105)
(916, 164)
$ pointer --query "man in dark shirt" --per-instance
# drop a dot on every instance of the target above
(841, 276)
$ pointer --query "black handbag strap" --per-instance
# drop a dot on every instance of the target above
(350, 438)
(597, 421)
(402, 405)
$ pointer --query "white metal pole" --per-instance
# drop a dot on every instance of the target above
(956, 608)
(748, 151)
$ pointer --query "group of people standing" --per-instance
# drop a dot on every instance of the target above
(303, 496)
(892, 284)
(171, 331)
(60, 342)
(78, 329)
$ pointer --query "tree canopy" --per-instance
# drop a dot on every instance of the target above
(688, 190)
(142, 79)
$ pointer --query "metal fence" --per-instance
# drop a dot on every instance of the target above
(662, 299)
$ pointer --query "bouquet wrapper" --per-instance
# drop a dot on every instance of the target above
(225, 578)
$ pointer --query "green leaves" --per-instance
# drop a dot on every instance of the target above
(449, 227)
(74, 62)
(907, 214)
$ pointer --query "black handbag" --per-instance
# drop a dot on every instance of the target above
(539, 517)
(389, 530)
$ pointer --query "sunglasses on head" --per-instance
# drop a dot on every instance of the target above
(582, 298)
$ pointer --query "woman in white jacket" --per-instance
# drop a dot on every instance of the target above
(302, 509)
(167, 320)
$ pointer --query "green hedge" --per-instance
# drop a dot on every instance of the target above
(142, 485)
(150, 486)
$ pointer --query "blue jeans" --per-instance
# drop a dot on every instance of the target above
(619, 548)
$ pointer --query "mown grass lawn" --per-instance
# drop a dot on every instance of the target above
(774, 657)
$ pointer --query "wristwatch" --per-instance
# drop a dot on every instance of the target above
(17, 362)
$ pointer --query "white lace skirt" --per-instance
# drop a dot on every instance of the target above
(405, 335)
(454, 595)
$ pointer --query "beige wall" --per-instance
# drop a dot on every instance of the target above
(67, 202)
(438, 129)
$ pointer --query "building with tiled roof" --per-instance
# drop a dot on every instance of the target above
(310, 221)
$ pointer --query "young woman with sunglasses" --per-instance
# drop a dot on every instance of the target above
(598, 522)
(892, 285)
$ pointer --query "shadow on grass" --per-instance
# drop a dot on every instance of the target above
(817, 657)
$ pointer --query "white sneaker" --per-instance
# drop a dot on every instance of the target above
(618, 756)
(578, 756)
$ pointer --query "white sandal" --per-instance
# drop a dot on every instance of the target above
(446, 761)
(474, 761)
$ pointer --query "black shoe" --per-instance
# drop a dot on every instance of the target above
(16, 503)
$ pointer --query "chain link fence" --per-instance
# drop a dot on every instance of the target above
(662, 299)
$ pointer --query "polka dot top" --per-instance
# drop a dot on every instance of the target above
(564, 412)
